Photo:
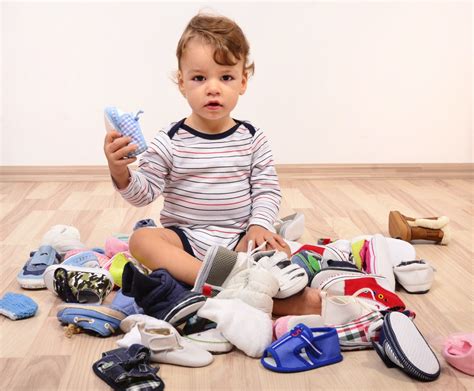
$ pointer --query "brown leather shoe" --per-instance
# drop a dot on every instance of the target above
(404, 228)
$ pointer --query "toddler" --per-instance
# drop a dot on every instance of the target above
(216, 173)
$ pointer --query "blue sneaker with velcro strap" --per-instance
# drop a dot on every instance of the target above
(31, 276)
(127, 125)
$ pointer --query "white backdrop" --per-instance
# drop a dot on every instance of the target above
(336, 82)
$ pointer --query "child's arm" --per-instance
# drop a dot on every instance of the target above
(265, 194)
(144, 185)
(265, 189)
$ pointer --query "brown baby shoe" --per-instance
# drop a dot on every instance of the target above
(428, 228)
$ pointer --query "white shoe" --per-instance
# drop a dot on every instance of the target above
(164, 341)
(220, 265)
(337, 310)
(340, 250)
(255, 286)
(211, 340)
(291, 227)
(378, 261)
(415, 276)
(292, 278)
(400, 251)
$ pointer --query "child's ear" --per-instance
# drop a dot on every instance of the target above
(179, 76)
(243, 86)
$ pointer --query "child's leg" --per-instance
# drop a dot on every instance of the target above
(306, 302)
(162, 248)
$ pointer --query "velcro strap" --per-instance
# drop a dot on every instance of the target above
(163, 342)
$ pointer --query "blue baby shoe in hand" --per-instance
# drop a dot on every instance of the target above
(127, 125)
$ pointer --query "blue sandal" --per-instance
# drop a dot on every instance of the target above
(302, 349)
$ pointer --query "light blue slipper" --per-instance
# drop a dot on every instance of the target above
(17, 306)
(127, 125)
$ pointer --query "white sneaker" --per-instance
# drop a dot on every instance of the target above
(337, 310)
(292, 278)
(378, 261)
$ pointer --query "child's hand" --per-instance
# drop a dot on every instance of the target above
(258, 235)
(116, 148)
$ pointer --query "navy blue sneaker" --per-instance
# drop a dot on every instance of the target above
(32, 274)
(160, 295)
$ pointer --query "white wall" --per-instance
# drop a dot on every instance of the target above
(336, 82)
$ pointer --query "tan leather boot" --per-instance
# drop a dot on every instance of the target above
(408, 228)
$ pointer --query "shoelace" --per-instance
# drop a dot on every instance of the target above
(354, 298)
(136, 118)
(252, 251)
(374, 327)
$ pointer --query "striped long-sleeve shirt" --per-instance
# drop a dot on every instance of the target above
(214, 185)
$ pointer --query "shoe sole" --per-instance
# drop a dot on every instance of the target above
(109, 124)
(204, 271)
(381, 263)
(204, 340)
(410, 348)
(26, 283)
(416, 289)
(211, 273)
(398, 227)
(96, 308)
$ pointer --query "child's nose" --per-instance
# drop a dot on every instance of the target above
(212, 87)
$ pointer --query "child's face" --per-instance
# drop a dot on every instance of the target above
(212, 90)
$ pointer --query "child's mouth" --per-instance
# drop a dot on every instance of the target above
(213, 105)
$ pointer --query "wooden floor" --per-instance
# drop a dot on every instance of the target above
(35, 354)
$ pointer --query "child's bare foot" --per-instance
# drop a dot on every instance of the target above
(306, 302)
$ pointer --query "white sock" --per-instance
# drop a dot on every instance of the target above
(247, 328)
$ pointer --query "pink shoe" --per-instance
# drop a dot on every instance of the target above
(459, 352)
(114, 246)
(286, 323)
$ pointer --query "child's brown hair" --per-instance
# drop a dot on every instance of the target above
(221, 33)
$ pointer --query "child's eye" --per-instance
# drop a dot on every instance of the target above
(227, 78)
(198, 78)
